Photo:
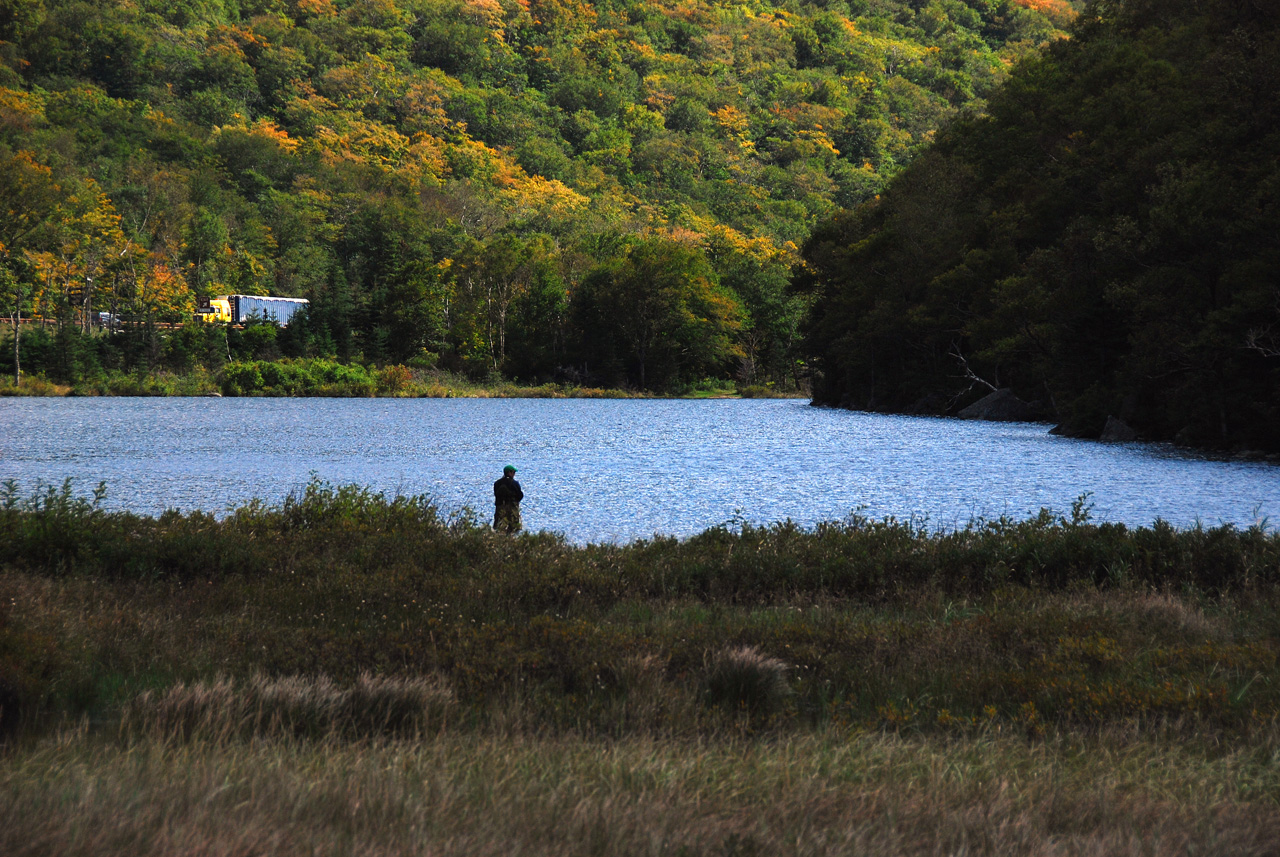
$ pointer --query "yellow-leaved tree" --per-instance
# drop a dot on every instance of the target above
(28, 196)
(84, 247)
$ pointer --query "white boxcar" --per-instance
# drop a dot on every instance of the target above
(279, 310)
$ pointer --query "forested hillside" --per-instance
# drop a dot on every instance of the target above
(1105, 241)
(610, 191)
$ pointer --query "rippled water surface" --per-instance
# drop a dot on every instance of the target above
(616, 470)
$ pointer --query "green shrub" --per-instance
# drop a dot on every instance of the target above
(241, 379)
(301, 377)
(878, 622)
(51, 528)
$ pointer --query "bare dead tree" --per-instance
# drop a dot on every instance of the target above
(1264, 341)
(969, 375)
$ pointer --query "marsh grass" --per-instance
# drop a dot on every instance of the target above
(32, 385)
(322, 377)
(743, 678)
(869, 624)
(870, 793)
(343, 672)
(303, 706)
(309, 377)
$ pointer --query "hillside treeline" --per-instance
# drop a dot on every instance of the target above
(1104, 241)
(614, 191)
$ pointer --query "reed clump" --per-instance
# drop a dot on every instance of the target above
(743, 678)
(300, 706)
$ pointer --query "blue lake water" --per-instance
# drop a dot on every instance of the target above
(609, 470)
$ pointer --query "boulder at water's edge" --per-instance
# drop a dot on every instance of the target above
(1000, 406)
(1117, 431)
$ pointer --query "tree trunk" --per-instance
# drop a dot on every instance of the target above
(17, 365)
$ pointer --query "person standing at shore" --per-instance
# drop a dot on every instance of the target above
(506, 502)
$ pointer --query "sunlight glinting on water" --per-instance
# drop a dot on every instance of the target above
(601, 470)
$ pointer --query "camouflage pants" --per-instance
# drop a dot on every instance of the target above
(506, 518)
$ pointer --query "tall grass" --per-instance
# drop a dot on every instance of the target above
(746, 679)
(313, 707)
(345, 672)
(1034, 624)
(32, 385)
(872, 794)
(340, 526)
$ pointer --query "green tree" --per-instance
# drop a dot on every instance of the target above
(659, 315)
(1103, 240)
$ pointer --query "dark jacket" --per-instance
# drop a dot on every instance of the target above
(507, 491)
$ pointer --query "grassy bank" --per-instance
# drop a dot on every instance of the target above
(328, 378)
(305, 378)
(1011, 687)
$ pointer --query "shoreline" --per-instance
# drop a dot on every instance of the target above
(1261, 456)
(204, 385)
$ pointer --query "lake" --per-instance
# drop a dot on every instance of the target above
(616, 470)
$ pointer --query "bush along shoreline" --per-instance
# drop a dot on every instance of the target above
(1036, 626)
(319, 377)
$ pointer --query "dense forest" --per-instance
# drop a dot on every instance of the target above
(1104, 241)
(529, 189)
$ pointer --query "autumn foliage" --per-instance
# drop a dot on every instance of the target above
(1058, 11)
(382, 158)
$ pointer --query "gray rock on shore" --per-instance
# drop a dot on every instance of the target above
(1117, 431)
(1000, 406)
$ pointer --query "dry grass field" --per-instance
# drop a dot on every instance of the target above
(344, 673)
(465, 793)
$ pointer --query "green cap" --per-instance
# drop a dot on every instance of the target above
(509, 469)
